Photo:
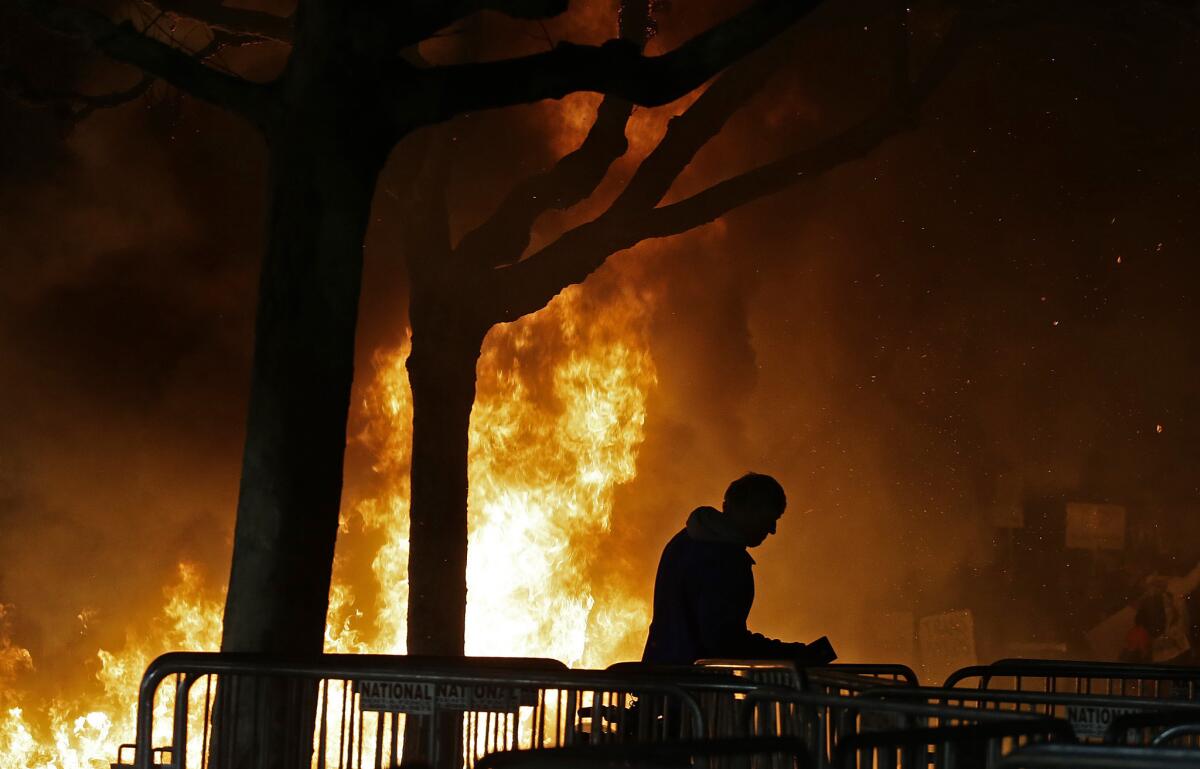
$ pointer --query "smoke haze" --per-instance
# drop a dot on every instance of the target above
(1004, 293)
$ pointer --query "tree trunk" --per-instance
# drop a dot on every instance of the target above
(322, 180)
(441, 370)
(287, 517)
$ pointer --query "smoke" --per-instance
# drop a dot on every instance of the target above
(893, 341)
(125, 328)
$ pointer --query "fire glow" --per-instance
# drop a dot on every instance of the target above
(556, 427)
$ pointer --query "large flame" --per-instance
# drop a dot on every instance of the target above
(556, 426)
(555, 430)
(84, 732)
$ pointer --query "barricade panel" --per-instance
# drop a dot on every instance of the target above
(736, 753)
(1097, 757)
(364, 712)
(1111, 679)
(875, 732)
(1091, 716)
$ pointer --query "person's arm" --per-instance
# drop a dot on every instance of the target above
(723, 597)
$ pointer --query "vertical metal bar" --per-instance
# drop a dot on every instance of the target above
(539, 710)
(322, 729)
(179, 725)
(394, 721)
(207, 722)
(379, 723)
(569, 717)
(361, 720)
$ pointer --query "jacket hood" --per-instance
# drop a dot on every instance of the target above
(708, 524)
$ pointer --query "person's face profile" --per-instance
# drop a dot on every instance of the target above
(767, 520)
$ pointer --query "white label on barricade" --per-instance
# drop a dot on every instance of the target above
(1093, 720)
(423, 698)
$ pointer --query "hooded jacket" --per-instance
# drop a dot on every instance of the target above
(702, 596)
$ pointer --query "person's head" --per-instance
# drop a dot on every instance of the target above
(754, 503)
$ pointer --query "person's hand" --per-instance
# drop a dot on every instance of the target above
(819, 652)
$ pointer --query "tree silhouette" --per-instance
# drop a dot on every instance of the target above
(351, 90)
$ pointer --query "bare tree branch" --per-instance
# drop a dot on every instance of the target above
(240, 21)
(427, 222)
(616, 68)
(124, 43)
(898, 116)
(69, 106)
(689, 132)
(528, 285)
(504, 236)
(74, 107)
(425, 18)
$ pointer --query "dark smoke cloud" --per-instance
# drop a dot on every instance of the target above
(883, 339)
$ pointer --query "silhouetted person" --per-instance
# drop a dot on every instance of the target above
(705, 583)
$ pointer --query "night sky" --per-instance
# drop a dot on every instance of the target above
(995, 306)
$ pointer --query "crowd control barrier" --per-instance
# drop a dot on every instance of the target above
(853, 680)
(1174, 728)
(732, 752)
(1091, 716)
(769, 672)
(1097, 757)
(213, 710)
(841, 679)
(874, 732)
(1114, 679)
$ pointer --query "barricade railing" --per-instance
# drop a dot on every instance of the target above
(734, 752)
(875, 732)
(1091, 716)
(881, 671)
(769, 672)
(1176, 728)
(1056, 756)
(364, 711)
(843, 679)
(1115, 679)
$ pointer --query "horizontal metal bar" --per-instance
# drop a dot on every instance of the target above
(1056, 756)
(1024, 697)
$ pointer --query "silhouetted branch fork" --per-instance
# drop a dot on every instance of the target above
(74, 107)
(503, 237)
(415, 21)
(615, 68)
(240, 21)
(123, 42)
(688, 132)
(528, 285)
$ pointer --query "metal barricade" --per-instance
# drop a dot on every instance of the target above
(1097, 757)
(845, 681)
(841, 679)
(1091, 716)
(1113, 679)
(747, 752)
(359, 711)
(866, 731)
(1174, 728)
(769, 672)
(879, 671)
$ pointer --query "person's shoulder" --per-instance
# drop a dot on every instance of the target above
(709, 551)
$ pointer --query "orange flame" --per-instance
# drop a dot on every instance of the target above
(556, 428)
